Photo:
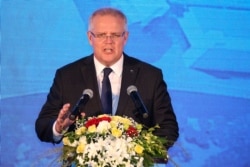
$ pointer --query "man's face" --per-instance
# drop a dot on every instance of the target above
(108, 37)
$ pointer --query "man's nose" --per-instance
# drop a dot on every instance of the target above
(109, 39)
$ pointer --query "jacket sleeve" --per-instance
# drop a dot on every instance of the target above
(163, 112)
(50, 111)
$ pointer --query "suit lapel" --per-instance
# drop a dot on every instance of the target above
(129, 75)
(90, 82)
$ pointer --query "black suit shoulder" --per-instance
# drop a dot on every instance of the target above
(134, 62)
(77, 64)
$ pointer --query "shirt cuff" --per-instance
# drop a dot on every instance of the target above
(56, 136)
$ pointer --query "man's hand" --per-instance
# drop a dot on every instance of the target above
(63, 121)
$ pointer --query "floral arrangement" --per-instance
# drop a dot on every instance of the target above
(107, 141)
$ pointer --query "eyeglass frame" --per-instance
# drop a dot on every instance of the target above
(104, 36)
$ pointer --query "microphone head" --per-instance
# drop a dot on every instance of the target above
(131, 88)
(88, 92)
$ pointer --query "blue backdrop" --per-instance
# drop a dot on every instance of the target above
(202, 46)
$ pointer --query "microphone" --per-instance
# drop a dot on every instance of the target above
(86, 95)
(132, 92)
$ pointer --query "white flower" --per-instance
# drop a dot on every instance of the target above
(140, 163)
(83, 140)
(80, 159)
(74, 144)
(103, 127)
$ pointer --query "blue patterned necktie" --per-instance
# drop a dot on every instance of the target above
(106, 95)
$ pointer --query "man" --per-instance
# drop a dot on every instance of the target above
(107, 35)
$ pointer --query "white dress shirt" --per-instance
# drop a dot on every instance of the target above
(115, 78)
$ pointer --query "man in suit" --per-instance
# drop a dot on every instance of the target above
(107, 34)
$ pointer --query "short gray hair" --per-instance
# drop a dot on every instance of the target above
(108, 11)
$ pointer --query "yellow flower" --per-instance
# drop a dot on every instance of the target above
(126, 121)
(80, 148)
(138, 149)
(113, 124)
(92, 129)
(126, 126)
(66, 141)
(139, 126)
(80, 130)
(115, 118)
(116, 132)
(121, 120)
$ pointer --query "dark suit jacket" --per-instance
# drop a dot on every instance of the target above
(72, 79)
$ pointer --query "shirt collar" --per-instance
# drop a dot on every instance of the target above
(117, 67)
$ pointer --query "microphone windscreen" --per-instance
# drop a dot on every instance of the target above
(131, 88)
(88, 92)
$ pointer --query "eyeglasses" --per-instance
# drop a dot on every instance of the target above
(104, 36)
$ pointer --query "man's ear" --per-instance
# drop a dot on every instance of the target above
(90, 38)
(126, 37)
